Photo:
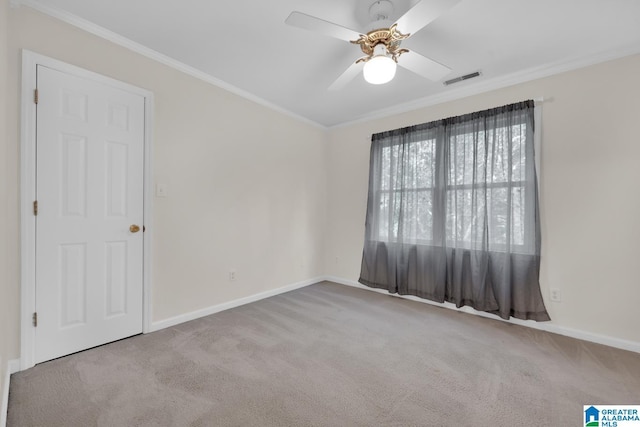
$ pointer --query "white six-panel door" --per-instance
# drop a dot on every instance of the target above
(89, 185)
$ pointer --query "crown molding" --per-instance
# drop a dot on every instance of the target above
(483, 86)
(472, 88)
(115, 38)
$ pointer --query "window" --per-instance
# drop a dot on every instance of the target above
(453, 212)
(485, 180)
(417, 184)
(487, 176)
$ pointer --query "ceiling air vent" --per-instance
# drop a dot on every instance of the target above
(461, 78)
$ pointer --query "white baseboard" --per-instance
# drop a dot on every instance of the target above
(13, 366)
(543, 326)
(172, 321)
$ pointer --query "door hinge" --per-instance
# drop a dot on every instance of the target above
(35, 96)
(35, 208)
(35, 319)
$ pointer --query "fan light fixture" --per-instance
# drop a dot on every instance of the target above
(381, 68)
(381, 45)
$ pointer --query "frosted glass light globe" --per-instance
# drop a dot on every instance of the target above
(380, 69)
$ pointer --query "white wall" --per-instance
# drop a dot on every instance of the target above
(5, 348)
(246, 184)
(589, 195)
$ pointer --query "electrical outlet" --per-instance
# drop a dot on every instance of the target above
(232, 276)
(556, 294)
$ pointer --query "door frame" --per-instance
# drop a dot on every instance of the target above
(30, 61)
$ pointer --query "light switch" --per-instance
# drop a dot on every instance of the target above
(161, 190)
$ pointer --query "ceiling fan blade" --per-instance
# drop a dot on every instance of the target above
(311, 23)
(347, 76)
(422, 14)
(423, 66)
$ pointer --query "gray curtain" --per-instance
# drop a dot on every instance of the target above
(452, 213)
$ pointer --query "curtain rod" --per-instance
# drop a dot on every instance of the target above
(539, 99)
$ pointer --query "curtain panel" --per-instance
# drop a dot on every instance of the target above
(452, 213)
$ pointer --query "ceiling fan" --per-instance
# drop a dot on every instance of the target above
(381, 44)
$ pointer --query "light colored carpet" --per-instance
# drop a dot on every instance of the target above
(329, 355)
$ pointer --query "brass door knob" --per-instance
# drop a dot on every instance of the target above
(134, 228)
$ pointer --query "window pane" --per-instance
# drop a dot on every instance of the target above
(465, 217)
(467, 159)
(499, 165)
(425, 163)
(518, 153)
(518, 229)
(383, 216)
(417, 216)
(498, 216)
(385, 164)
(425, 216)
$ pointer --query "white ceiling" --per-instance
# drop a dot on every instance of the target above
(247, 45)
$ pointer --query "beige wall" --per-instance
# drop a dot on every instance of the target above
(246, 184)
(589, 195)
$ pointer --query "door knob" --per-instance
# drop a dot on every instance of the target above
(134, 228)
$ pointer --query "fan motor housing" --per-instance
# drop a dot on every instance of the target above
(390, 37)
